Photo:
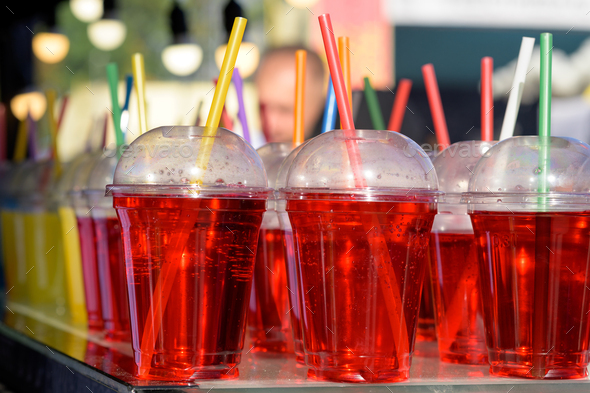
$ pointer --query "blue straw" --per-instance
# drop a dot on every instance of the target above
(330, 111)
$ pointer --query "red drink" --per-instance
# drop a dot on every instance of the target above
(362, 268)
(90, 273)
(455, 279)
(189, 268)
(110, 258)
(268, 321)
(534, 276)
(295, 294)
(426, 330)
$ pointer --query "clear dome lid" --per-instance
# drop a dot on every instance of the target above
(283, 172)
(82, 172)
(454, 165)
(272, 155)
(164, 161)
(102, 172)
(387, 162)
(513, 172)
(66, 181)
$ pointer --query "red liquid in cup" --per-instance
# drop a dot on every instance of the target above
(455, 279)
(295, 295)
(354, 256)
(426, 330)
(205, 250)
(268, 321)
(534, 277)
(110, 258)
(90, 273)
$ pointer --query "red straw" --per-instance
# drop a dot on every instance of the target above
(62, 111)
(487, 99)
(104, 130)
(399, 105)
(436, 108)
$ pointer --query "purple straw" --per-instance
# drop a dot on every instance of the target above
(241, 108)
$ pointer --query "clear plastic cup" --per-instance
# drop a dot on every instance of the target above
(361, 231)
(453, 260)
(109, 253)
(71, 241)
(292, 272)
(189, 249)
(86, 234)
(13, 235)
(531, 218)
(268, 319)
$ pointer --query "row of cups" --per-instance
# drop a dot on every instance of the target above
(348, 225)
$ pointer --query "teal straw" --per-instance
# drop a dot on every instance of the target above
(373, 105)
(113, 79)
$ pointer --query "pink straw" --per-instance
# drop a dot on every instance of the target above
(487, 99)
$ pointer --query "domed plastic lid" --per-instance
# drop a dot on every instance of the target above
(102, 172)
(454, 166)
(272, 155)
(281, 181)
(163, 161)
(386, 163)
(82, 171)
(513, 172)
(66, 181)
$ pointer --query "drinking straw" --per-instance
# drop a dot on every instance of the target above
(330, 110)
(487, 99)
(64, 104)
(299, 127)
(105, 127)
(239, 84)
(51, 98)
(344, 55)
(113, 79)
(139, 78)
(125, 108)
(522, 65)
(3, 140)
(393, 298)
(226, 121)
(175, 247)
(229, 61)
(543, 224)
(399, 105)
(22, 138)
(32, 130)
(373, 105)
(436, 108)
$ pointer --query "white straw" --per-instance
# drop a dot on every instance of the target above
(522, 65)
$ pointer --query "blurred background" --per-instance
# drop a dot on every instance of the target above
(66, 45)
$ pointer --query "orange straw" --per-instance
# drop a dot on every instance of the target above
(299, 130)
(436, 108)
(487, 99)
(391, 292)
(399, 105)
(344, 55)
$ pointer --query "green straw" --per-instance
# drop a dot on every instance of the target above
(541, 314)
(373, 104)
(113, 79)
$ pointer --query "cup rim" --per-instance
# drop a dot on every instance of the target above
(188, 190)
(363, 194)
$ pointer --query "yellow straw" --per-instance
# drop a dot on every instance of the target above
(229, 61)
(51, 97)
(22, 138)
(139, 82)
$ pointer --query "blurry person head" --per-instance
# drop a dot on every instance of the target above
(275, 81)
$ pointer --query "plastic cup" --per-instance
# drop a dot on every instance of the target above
(189, 249)
(361, 251)
(87, 241)
(534, 249)
(426, 328)
(295, 293)
(71, 241)
(43, 244)
(268, 319)
(453, 260)
(13, 235)
(109, 253)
